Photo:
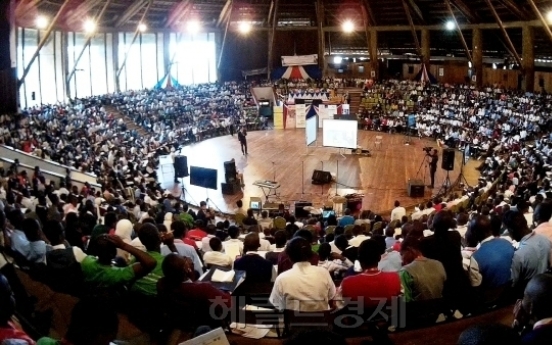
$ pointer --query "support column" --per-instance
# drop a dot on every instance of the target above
(115, 51)
(65, 64)
(426, 46)
(528, 58)
(321, 37)
(167, 54)
(8, 79)
(477, 55)
(374, 62)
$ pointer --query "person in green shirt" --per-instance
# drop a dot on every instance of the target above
(92, 323)
(185, 217)
(99, 272)
(151, 239)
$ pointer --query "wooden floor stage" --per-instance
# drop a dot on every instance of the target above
(281, 155)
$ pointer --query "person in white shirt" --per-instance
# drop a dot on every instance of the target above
(216, 257)
(304, 287)
(359, 237)
(398, 212)
(265, 244)
(333, 262)
(240, 208)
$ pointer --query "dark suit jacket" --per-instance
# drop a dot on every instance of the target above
(256, 268)
(446, 249)
(539, 336)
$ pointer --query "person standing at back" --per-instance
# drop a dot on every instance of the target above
(242, 137)
(434, 158)
(421, 278)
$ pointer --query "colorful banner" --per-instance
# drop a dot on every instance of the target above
(300, 116)
(278, 117)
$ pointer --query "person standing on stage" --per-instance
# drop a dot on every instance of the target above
(434, 158)
(242, 137)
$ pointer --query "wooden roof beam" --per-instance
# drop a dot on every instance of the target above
(224, 13)
(515, 9)
(130, 12)
(416, 10)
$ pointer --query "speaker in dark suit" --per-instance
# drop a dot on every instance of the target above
(181, 167)
(448, 159)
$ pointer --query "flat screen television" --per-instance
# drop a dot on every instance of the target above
(203, 177)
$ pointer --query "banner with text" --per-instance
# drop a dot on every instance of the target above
(300, 116)
(300, 60)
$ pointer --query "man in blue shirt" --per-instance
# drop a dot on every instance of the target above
(532, 256)
(490, 265)
(27, 242)
(347, 219)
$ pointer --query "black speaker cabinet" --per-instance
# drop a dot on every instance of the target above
(181, 166)
(447, 162)
(299, 211)
(321, 177)
(230, 188)
(230, 168)
(416, 188)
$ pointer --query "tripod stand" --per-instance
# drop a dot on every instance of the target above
(425, 171)
(303, 182)
(447, 185)
(336, 180)
(461, 177)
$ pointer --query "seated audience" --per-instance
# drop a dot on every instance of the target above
(533, 314)
(151, 239)
(533, 253)
(490, 265)
(92, 323)
(27, 242)
(233, 244)
(10, 332)
(216, 257)
(371, 285)
(189, 301)
(445, 246)
(347, 219)
(398, 212)
(304, 287)
(279, 246)
(332, 262)
(198, 232)
(63, 271)
(124, 229)
(257, 269)
(489, 335)
(358, 236)
(421, 278)
(211, 231)
(179, 233)
(182, 246)
(284, 261)
(99, 271)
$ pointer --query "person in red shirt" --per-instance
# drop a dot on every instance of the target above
(177, 292)
(372, 285)
(197, 234)
(179, 231)
(9, 332)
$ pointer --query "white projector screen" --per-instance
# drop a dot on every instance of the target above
(340, 133)
(311, 130)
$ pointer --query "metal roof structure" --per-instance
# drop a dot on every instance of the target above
(389, 17)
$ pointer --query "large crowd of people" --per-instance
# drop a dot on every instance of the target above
(151, 257)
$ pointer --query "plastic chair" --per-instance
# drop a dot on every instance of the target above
(239, 217)
(378, 142)
(279, 223)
